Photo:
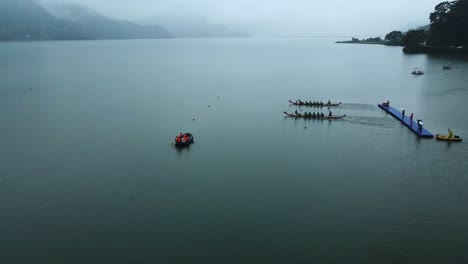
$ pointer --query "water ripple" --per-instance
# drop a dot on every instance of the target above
(360, 107)
(373, 121)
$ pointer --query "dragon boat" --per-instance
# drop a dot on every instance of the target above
(300, 103)
(326, 117)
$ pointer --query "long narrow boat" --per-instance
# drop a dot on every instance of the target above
(333, 117)
(446, 138)
(300, 103)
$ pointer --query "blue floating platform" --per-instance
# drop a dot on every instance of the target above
(407, 122)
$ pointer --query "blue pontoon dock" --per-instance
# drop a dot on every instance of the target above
(406, 121)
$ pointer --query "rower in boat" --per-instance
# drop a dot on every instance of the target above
(330, 114)
(450, 133)
(313, 115)
(183, 139)
(329, 103)
(179, 138)
(295, 111)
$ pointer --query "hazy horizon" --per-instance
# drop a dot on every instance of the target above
(280, 17)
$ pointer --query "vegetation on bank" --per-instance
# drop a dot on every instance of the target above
(376, 40)
(447, 32)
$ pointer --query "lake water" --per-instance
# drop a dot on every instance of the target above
(88, 173)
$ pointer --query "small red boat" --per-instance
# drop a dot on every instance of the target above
(184, 140)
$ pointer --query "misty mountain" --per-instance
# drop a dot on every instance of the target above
(197, 27)
(425, 28)
(26, 20)
(98, 26)
(415, 26)
(29, 20)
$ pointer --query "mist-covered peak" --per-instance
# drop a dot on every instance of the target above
(44, 20)
(69, 11)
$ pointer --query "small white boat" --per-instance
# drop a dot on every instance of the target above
(417, 71)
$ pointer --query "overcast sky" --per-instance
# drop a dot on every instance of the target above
(282, 17)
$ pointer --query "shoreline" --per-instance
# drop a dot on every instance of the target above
(360, 42)
(435, 50)
(414, 50)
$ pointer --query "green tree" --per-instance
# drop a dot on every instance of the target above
(441, 13)
(449, 24)
(414, 38)
(376, 39)
(441, 32)
(459, 16)
(394, 37)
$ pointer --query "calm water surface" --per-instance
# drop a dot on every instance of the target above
(88, 173)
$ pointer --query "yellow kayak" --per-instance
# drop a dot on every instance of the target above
(446, 138)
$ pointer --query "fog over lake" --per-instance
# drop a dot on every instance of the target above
(281, 17)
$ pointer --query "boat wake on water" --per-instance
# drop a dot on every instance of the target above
(373, 121)
(364, 114)
(359, 107)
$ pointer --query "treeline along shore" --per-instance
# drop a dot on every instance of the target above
(446, 33)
